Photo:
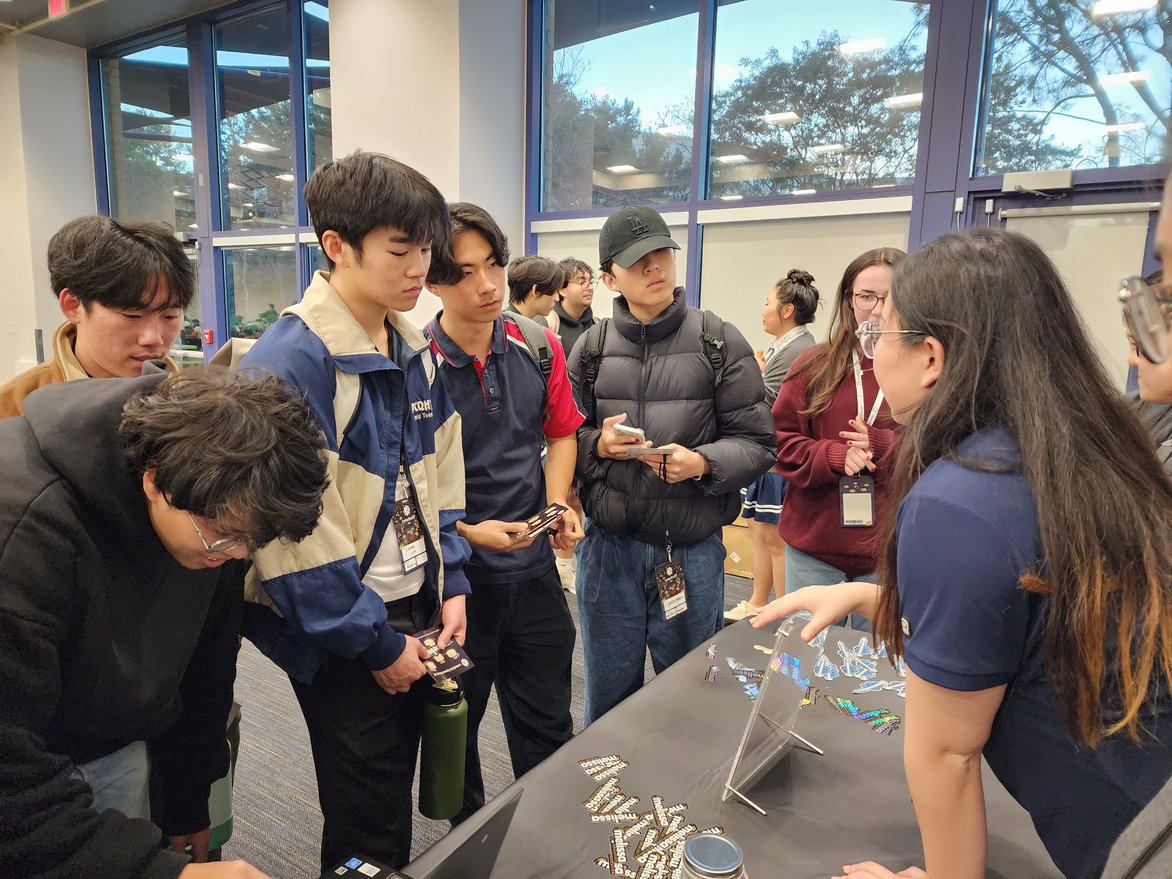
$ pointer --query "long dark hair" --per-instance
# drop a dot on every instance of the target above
(828, 365)
(1017, 356)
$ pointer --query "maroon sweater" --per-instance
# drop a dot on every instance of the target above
(811, 455)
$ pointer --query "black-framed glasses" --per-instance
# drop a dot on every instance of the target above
(1144, 318)
(868, 335)
(224, 544)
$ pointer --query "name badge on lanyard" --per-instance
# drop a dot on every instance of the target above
(856, 494)
(408, 531)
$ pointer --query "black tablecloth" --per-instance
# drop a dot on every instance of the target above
(680, 734)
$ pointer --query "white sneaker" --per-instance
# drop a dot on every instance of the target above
(744, 609)
(567, 572)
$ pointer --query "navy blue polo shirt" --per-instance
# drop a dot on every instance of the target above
(964, 539)
(504, 419)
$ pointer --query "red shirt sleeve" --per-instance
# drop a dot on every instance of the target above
(563, 417)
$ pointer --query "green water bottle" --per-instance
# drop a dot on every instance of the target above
(441, 769)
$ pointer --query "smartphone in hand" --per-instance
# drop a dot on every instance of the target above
(627, 430)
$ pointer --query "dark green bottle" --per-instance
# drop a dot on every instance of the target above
(441, 769)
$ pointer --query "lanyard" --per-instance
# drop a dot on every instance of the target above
(859, 391)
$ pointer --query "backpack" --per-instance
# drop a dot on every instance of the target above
(537, 342)
(712, 334)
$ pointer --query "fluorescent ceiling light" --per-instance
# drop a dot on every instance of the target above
(827, 148)
(736, 159)
(178, 194)
(785, 118)
(883, 186)
(235, 186)
(731, 197)
(257, 147)
(1116, 7)
(674, 130)
(622, 169)
(1130, 76)
(856, 47)
(1126, 126)
(318, 11)
(288, 178)
(803, 192)
(900, 101)
(246, 204)
(193, 226)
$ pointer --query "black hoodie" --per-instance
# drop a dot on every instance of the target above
(104, 640)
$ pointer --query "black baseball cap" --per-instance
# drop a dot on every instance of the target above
(631, 233)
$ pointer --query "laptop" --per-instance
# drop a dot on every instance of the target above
(474, 858)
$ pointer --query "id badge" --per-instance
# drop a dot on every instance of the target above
(856, 495)
(408, 531)
(669, 577)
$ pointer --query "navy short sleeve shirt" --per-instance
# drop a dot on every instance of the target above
(965, 537)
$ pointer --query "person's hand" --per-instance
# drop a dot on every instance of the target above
(681, 464)
(454, 619)
(860, 437)
(404, 671)
(760, 355)
(613, 445)
(198, 842)
(857, 460)
(827, 604)
(569, 530)
(497, 535)
(871, 870)
(222, 870)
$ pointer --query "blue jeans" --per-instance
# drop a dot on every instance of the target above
(803, 570)
(620, 615)
(120, 781)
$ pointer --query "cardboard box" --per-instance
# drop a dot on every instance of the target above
(738, 544)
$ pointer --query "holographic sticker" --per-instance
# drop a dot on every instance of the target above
(710, 675)
(711, 651)
(811, 696)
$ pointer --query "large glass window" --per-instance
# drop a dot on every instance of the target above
(258, 283)
(810, 97)
(1084, 84)
(187, 349)
(618, 104)
(318, 114)
(255, 122)
(148, 135)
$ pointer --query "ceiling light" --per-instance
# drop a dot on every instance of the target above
(736, 159)
(193, 226)
(288, 178)
(235, 186)
(674, 130)
(178, 194)
(246, 204)
(622, 169)
(258, 147)
(1126, 126)
(1132, 76)
(856, 47)
(883, 186)
(827, 148)
(1116, 7)
(900, 101)
(786, 118)
(731, 197)
(803, 192)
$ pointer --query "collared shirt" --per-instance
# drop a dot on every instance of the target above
(505, 417)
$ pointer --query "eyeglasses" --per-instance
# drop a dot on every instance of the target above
(866, 300)
(224, 544)
(1144, 318)
(868, 335)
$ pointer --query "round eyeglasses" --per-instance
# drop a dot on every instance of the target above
(868, 335)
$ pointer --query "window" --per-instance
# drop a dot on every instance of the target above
(148, 135)
(618, 104)
(810, 97)
(318, 115)
(258, 186)
(1076, 85)
(258, 283)
(187, 349)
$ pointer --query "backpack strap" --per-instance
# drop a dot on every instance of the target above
(535, 340)
(713, 336)
(590, 358)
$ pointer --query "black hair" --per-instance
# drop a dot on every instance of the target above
(797, 289)
(119, 264)
(606, 266)
(526, 271)
(467, 217)
(244, 450)
(362, 192)
(573, 266)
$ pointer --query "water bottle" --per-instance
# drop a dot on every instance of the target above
(711, 856)
(441, 770)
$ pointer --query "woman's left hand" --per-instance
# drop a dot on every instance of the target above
(859, 437)
(871, 870)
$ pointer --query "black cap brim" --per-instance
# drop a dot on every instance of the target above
(631, 254)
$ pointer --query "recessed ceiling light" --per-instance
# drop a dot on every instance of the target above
(731, 197)
(736, 159)
(621, 169)
(1126, 126)
(258, 147)
(784, 118)
(288, 178)
(1117, 7)
(1130, 76)
(827, 148)
(803, 192)
(856, 47)
(910, 100)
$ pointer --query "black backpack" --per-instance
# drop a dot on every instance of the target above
(538, 344)
(712, 335)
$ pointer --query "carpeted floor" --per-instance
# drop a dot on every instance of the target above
(278, 824)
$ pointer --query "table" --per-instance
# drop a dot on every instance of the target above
(679, 736)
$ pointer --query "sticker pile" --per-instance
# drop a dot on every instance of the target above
(653, 840)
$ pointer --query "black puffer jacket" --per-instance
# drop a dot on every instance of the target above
(660, 375)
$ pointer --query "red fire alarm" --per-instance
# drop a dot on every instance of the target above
(209, 336)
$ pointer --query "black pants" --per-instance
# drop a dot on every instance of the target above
(520, 636)
(365, 742)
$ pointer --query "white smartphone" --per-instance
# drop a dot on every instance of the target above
(627, 430)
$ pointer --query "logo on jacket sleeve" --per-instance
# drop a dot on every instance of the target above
(421, 409)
